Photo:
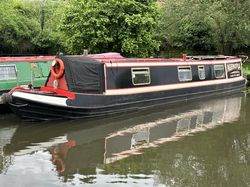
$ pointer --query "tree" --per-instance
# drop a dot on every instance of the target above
(184, 26)
(207, 25)
(127, 26)
(230, 23)
(31, 26)
(17, 26)
(49, 13)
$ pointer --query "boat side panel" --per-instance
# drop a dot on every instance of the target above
(23, 69)
(120, 77)
(96, 106)
(97, 101)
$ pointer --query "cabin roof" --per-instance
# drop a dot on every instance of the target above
(210, 57)
(157, 60)
(108, 58)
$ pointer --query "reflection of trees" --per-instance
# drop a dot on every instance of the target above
(218, 157)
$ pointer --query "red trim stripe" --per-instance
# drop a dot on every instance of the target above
(70, 95)
(67, 94)
(27, 59)
(170, 63)
(18, 88)
(162, 60)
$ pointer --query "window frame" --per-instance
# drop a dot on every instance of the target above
(199, 73)
(15, 69)
(133, 74)
(190, 69)
(224, 75)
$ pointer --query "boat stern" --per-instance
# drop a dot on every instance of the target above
(36, 104)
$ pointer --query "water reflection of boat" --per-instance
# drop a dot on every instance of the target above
(75, 148)
(125, 142)
(6, 133)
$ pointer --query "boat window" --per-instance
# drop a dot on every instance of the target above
(199, 120)
(183, 125)
(219, 71)
(8, 72)
(201, 72)
(140, 76)
(185, 73)
(140, 138)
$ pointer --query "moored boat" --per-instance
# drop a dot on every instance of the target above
(23, 71)
(81, 87)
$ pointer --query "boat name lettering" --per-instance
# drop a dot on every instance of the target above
(232, 67)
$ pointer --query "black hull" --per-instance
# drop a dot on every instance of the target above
(30, 110)
(4, 109)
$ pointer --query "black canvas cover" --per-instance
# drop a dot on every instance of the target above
(83, 74)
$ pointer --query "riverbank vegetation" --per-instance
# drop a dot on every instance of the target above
(246, 68)
(132, 27)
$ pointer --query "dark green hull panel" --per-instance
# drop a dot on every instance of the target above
(24, 74)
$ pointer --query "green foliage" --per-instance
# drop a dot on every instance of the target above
(185, 27)
(16, 26)
(206, 25)
(29, 26)
(230, 23)
(132, 27)
(123, 26)
(246, 68)
(49, 39)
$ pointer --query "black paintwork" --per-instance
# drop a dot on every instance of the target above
(4, 109)
(120, 77)
(83, 74)
(101, 105)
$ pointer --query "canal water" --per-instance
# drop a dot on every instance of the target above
(198, 143)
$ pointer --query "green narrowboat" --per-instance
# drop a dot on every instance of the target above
(23, 71)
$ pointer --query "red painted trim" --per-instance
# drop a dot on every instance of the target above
(27, 59)
(65, 93)
(152, 64)
(62, 84)
(162, 60)
(155, 65)
(18, 88)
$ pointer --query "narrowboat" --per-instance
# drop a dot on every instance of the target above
(96, 85)
(23, 71)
